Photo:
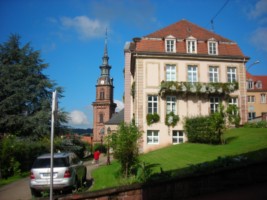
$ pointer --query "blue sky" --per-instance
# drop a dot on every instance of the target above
(70, 35)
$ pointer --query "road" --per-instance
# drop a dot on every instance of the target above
(20, 190)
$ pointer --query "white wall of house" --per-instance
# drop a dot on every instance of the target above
(148, 76)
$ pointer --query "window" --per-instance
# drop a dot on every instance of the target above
(170, 73)
(214, 104)
(191, 46)
(231, 74)
(177, 137)
(214, 74)
(171, 104)
(263, 98)
(152, 106)
(213, 48)
(192, 74)
(233, 101)
(250, 84)
(251, 99)
(101, 118)
(259, 85)
(170, 45)
(251, 115)
(102, 94)
(152, 137)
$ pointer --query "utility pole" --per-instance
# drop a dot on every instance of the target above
(53, 116)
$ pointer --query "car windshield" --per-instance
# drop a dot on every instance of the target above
(45, 163)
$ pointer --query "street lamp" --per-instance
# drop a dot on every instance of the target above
(256, 62)
(108, 138)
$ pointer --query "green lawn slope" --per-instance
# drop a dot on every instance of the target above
(237, 141)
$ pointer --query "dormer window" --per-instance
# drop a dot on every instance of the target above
(191, 45)
(213, 47)
(250, 84)
(259, 85)
(170, 44)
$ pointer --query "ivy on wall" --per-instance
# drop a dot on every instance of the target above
(198, 88)
(171, 119)
(152, 118)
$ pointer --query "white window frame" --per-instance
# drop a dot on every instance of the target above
(170, 44)
(214, 104)
(192, 73)
(233, 101)
(170, 72)
(251, 115)
(152, 137)
(177, 137)
(250, 84)
(171, 104)
(213, 47)
(231, 74)
(214, 74)
(263, 98)
(251, 99)
(152, 104)
(191, 45)
(259, 85)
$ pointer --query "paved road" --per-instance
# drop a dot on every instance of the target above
(20, 190)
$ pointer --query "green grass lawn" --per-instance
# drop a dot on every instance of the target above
(238, 141)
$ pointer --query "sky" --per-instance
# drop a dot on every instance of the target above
(70, 34)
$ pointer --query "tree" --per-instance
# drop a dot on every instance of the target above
(125, 146)
(25, 92)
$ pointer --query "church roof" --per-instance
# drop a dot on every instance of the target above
(116, 118)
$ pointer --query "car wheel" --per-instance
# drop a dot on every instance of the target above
(84, 177)
(35, 193)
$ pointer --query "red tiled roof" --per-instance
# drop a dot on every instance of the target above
(181, 30)
(263, 80)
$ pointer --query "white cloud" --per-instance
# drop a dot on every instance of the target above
(87, 28)
(259, 9)
(120, 105)
(259, 39)
(78, 118)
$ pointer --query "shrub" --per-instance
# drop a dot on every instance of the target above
(101, 147)
(125, 147)
(259, 124)
(200, 130)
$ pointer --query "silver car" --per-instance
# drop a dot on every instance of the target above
(68, 173)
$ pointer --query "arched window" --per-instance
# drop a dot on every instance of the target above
(102, 94)
(101, 118)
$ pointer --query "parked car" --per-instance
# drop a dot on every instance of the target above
(68, 173)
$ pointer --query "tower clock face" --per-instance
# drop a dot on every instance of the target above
(102, 82)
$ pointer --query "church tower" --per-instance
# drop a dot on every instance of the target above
(103, 106)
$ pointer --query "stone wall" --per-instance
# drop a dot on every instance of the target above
(182, 188)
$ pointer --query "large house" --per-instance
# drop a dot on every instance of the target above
(257, 97)
(180, 70)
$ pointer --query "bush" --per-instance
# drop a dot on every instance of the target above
(18, 154)
(200, 130)
(101, 147)
(259, 124)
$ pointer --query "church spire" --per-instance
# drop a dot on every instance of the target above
(105, 56)
(105, 67)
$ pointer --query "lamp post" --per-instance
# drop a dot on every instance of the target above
(108, 138)
(256, 62)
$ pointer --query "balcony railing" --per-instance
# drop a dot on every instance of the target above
(197, 88)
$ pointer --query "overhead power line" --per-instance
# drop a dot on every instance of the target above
(212, 19)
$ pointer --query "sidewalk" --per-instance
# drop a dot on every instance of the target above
(91, 166)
